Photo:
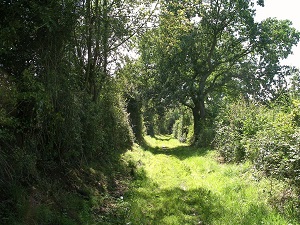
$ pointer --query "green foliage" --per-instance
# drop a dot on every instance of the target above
(235, 122)
(116, 128)
(59, 106)
(186, 185)
(214, 46)
(266, 136)
(206, 137)
(180, 128)
(275, 148)
(129, 81)
(106, 131)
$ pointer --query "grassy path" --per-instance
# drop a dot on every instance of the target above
(176, 184)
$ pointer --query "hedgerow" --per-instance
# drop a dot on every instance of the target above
(267, 136)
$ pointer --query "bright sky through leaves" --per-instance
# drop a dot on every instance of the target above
(287, 9)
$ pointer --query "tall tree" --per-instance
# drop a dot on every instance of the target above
(104, 31)
(202, 46)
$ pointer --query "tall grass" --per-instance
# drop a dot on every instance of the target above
(177, 184)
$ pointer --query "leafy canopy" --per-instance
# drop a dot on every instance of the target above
(200, 47)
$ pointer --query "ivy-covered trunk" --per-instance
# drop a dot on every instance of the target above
(199, 117)
(135, 116)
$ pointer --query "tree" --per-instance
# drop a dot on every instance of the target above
(201, 47)
(295, 83)
(130, 84)
(61, 107)
(105, 29)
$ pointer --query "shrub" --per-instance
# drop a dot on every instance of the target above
(180, 129)
(269, 137)
(206, 136)
(234, 125)
(106, 129)
(228, 143)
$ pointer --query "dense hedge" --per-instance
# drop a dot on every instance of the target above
(45, 135)
(268, 136)
(58, 112)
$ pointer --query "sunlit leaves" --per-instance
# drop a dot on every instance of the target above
(202, 47)
(205, 44)
(277, 37)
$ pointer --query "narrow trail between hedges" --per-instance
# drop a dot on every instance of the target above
(178, 184)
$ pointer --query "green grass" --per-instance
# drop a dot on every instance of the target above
(178, 184)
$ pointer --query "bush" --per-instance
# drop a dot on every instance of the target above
(229, 144)
(278, 155)
(182, 126)
(45, 133)
(206, 136)
(180, 129)
(269, 137)
(235, 124)
(106, 129)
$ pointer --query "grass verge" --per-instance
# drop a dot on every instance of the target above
(178, 184)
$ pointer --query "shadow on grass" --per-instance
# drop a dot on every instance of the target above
(162, 138)
(151, 205)
(180, 152)
(148, 204)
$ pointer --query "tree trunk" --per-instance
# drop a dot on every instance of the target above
(89, 43)
(135, 116)
(199, 117)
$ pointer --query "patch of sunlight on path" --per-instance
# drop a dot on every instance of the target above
(178, 184)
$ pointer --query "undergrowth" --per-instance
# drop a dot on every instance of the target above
(88, 194)
(164, 182)
(177, 184)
